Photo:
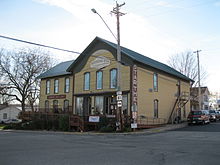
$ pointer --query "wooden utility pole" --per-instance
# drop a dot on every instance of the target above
(116, 11)
(199, 91)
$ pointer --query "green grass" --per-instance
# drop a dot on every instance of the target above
(2, 126)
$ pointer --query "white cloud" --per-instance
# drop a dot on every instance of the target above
(217, 3)
(136, 32)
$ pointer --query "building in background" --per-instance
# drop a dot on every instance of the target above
(9, 112)
(204, 98)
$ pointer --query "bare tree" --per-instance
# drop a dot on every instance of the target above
(19, 71)
(186, 63)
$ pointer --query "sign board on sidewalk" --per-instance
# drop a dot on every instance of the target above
(94, 119)
(133, 125)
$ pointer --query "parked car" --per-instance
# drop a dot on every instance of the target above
(12, 121)
(213, 115)
(217, 115)
(198, 117)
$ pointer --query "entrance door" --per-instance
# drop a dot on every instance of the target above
(110, 105)
(86, 106)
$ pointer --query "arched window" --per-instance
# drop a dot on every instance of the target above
(56, 86)
(113, 78)
(47, 86)
(99, 80)
(67, 85)
(155, 82)
(86, 81)
(47, 106)
(55, 106)
(66, 106)
(155, 108)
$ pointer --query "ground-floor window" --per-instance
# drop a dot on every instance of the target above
(46, 106)
(99, 103)
(55, 106)
(66, 105)
(155, 108)
(5, 115)
(125, 104)
(184, 111)
(79, 106)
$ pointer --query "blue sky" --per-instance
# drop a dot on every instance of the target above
(155, 28)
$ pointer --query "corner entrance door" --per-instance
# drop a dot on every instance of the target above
(110, 105)
(86, 106)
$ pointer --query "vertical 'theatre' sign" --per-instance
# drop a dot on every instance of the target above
(134, 85)
(134, 97)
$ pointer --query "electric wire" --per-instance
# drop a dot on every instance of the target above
(42, 45)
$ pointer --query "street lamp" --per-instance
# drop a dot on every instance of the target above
(94, 11)
(119, 93)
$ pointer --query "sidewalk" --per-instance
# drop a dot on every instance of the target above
(167, 127)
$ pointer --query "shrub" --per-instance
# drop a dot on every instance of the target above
(64, 123)
(107, 129)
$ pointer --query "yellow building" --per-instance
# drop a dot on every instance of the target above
(150, 90)
(56, 89)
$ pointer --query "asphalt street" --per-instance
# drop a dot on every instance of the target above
(186, 146)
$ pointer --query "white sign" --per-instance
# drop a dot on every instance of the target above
(100, 62)
(119, 97)
(94, 119)
(133, 125)
(119, 103)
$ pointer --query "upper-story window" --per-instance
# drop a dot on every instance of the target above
(47, 86)
(113, 78)
(56, 86)
(99, 77)
(155, 82)
(87, 81)
(67, 85)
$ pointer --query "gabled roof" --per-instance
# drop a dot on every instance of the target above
(58, 70)
(195, 90)
(136, 57)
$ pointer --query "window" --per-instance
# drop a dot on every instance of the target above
(55, 106)
(155, 82)
(99, 80)
(99, 100)
(79, 106)
(66, 106)
(67, 85)
(56, 86)
(46, 106)
(156, 108)
(5, 116)
(47, 86)
(184, 111)
(125, 104)
(87, 81)
(113, 78)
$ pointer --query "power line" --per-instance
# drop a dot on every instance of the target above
(33, 43)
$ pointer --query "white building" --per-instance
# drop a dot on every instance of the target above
(9, 112)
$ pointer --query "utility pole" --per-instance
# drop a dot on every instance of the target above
(199, 91)
(116, 11)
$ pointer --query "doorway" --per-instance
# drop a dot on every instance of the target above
(86, 106)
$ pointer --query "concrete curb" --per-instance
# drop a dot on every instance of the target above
(167, 127)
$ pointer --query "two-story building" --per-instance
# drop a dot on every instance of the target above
(56, 90)
(150, 89)
(204, 94)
